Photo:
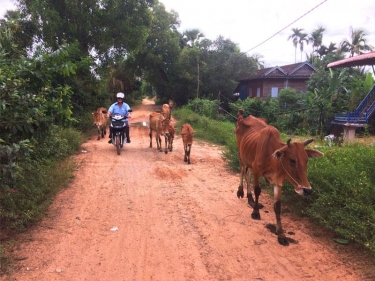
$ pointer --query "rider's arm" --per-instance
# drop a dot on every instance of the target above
(110, 111)
(129, 110)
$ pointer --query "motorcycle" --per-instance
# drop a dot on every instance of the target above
(118, 127)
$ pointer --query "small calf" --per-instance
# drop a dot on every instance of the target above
(187, 134)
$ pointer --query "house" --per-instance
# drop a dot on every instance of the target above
(269, 81)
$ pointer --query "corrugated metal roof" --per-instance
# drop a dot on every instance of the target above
(360, 60)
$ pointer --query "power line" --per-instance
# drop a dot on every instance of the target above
(286, 26)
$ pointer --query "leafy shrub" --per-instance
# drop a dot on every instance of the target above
(59, 143)
(204, 107)
(38, 175)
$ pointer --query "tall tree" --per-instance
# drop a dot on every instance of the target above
(303, 38)
(357, 44)
(105, 27)
(155, 61)
(295, 39)
(192, 37)
(316, 38)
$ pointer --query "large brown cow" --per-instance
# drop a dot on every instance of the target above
(160, 125)
(166, 111)
(100, 121)
(187, 134)
(261, 150)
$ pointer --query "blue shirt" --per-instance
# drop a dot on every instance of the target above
(116, 109)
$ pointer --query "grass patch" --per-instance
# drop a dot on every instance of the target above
(37, 177)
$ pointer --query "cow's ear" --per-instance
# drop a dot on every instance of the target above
(313, 153)
(278, 153)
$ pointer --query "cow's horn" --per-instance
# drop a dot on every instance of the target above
(288, 142)
(307, 142)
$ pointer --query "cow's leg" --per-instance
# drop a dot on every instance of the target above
(240, 193)
(170, 143)
(255, 214)
(277, 208)
(247, 173)
(188, 152)
(158, 142)
(250, 198)
(102, 132)
(150, 134)
(166, 140)
(185, 152)
(98, 133)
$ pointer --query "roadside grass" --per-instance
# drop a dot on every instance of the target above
(343, 180)
(40, 176)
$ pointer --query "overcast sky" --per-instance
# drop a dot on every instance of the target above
(250, 22)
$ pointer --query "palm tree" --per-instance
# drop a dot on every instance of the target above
(295, 37)
(316, 38)
(192, 36)
(331, 48)
(303, 37)
(357, 44)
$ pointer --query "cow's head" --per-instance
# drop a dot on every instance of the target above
(165, 126)
(293, 161)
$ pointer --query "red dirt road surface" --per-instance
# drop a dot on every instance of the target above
(146, 215)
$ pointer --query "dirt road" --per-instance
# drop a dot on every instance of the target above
(146, 215)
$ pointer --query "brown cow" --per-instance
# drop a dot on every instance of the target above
(161, 127)
(187, 134)
(166, 111)
(261, 150)
(172, 131)
(100, 121)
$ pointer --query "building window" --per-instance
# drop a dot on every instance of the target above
(250, 92)
(274, 92)
(258, 92)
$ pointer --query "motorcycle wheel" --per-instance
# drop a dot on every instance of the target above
(118, 145)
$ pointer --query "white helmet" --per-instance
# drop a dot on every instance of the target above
(120, 95)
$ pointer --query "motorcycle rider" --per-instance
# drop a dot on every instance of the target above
(120, 107)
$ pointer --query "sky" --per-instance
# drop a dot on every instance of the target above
(262, 27)
(249, 23)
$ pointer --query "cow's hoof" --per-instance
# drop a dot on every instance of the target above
(255, 216)
(283, 240)
(166, 152)
(240, 193)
